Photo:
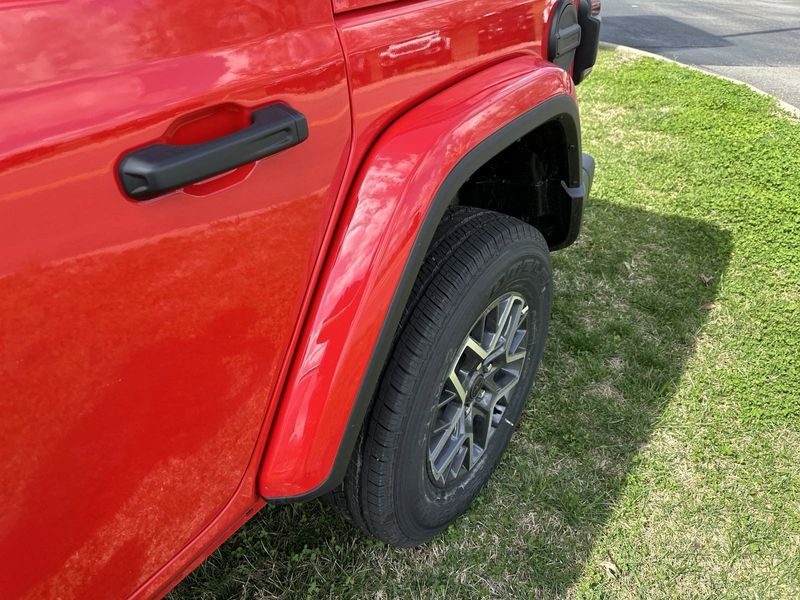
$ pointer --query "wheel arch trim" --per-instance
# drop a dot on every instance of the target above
(382, 237)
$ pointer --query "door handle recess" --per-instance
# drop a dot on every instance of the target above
(162, 168)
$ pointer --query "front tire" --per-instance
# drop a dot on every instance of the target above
(457, 379)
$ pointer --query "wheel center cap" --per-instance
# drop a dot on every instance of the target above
(476, 387)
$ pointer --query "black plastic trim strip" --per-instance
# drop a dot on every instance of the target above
(561, 109)
(586, 53)
(576, 197)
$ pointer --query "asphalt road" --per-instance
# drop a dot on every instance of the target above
(755, 41)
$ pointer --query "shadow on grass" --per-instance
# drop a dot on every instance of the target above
(631, 300)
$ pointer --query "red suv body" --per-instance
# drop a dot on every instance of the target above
(211, 217)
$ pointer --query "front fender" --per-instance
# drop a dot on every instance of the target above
(403, 188)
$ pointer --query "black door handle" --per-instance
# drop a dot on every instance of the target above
(161, 168)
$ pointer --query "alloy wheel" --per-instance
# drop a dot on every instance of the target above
(474, 398)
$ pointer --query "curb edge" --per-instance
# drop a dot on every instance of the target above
(793, 111)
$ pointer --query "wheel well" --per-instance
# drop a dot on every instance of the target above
(555, 142)
(525, 181)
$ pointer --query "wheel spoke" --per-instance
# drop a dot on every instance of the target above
(458, 460)
(443, 427)
(516, 357)
(503, 391)
(448, 396)
(491, 385)
(475, 451)
(451, 427)
(481, 431)
(476, 347)
(458, 386)
(504, 311)
(478, 332)
(515, 335)
(482, 406)
(444, 461)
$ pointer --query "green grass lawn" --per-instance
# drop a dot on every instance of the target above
(659, 456)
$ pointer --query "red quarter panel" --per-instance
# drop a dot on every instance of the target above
(399, 54)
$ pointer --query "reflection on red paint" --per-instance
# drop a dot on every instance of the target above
(140, 343)
(406, 52)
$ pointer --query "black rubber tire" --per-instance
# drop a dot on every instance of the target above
(475, 257)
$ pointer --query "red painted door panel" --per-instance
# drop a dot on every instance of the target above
(140, 342)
